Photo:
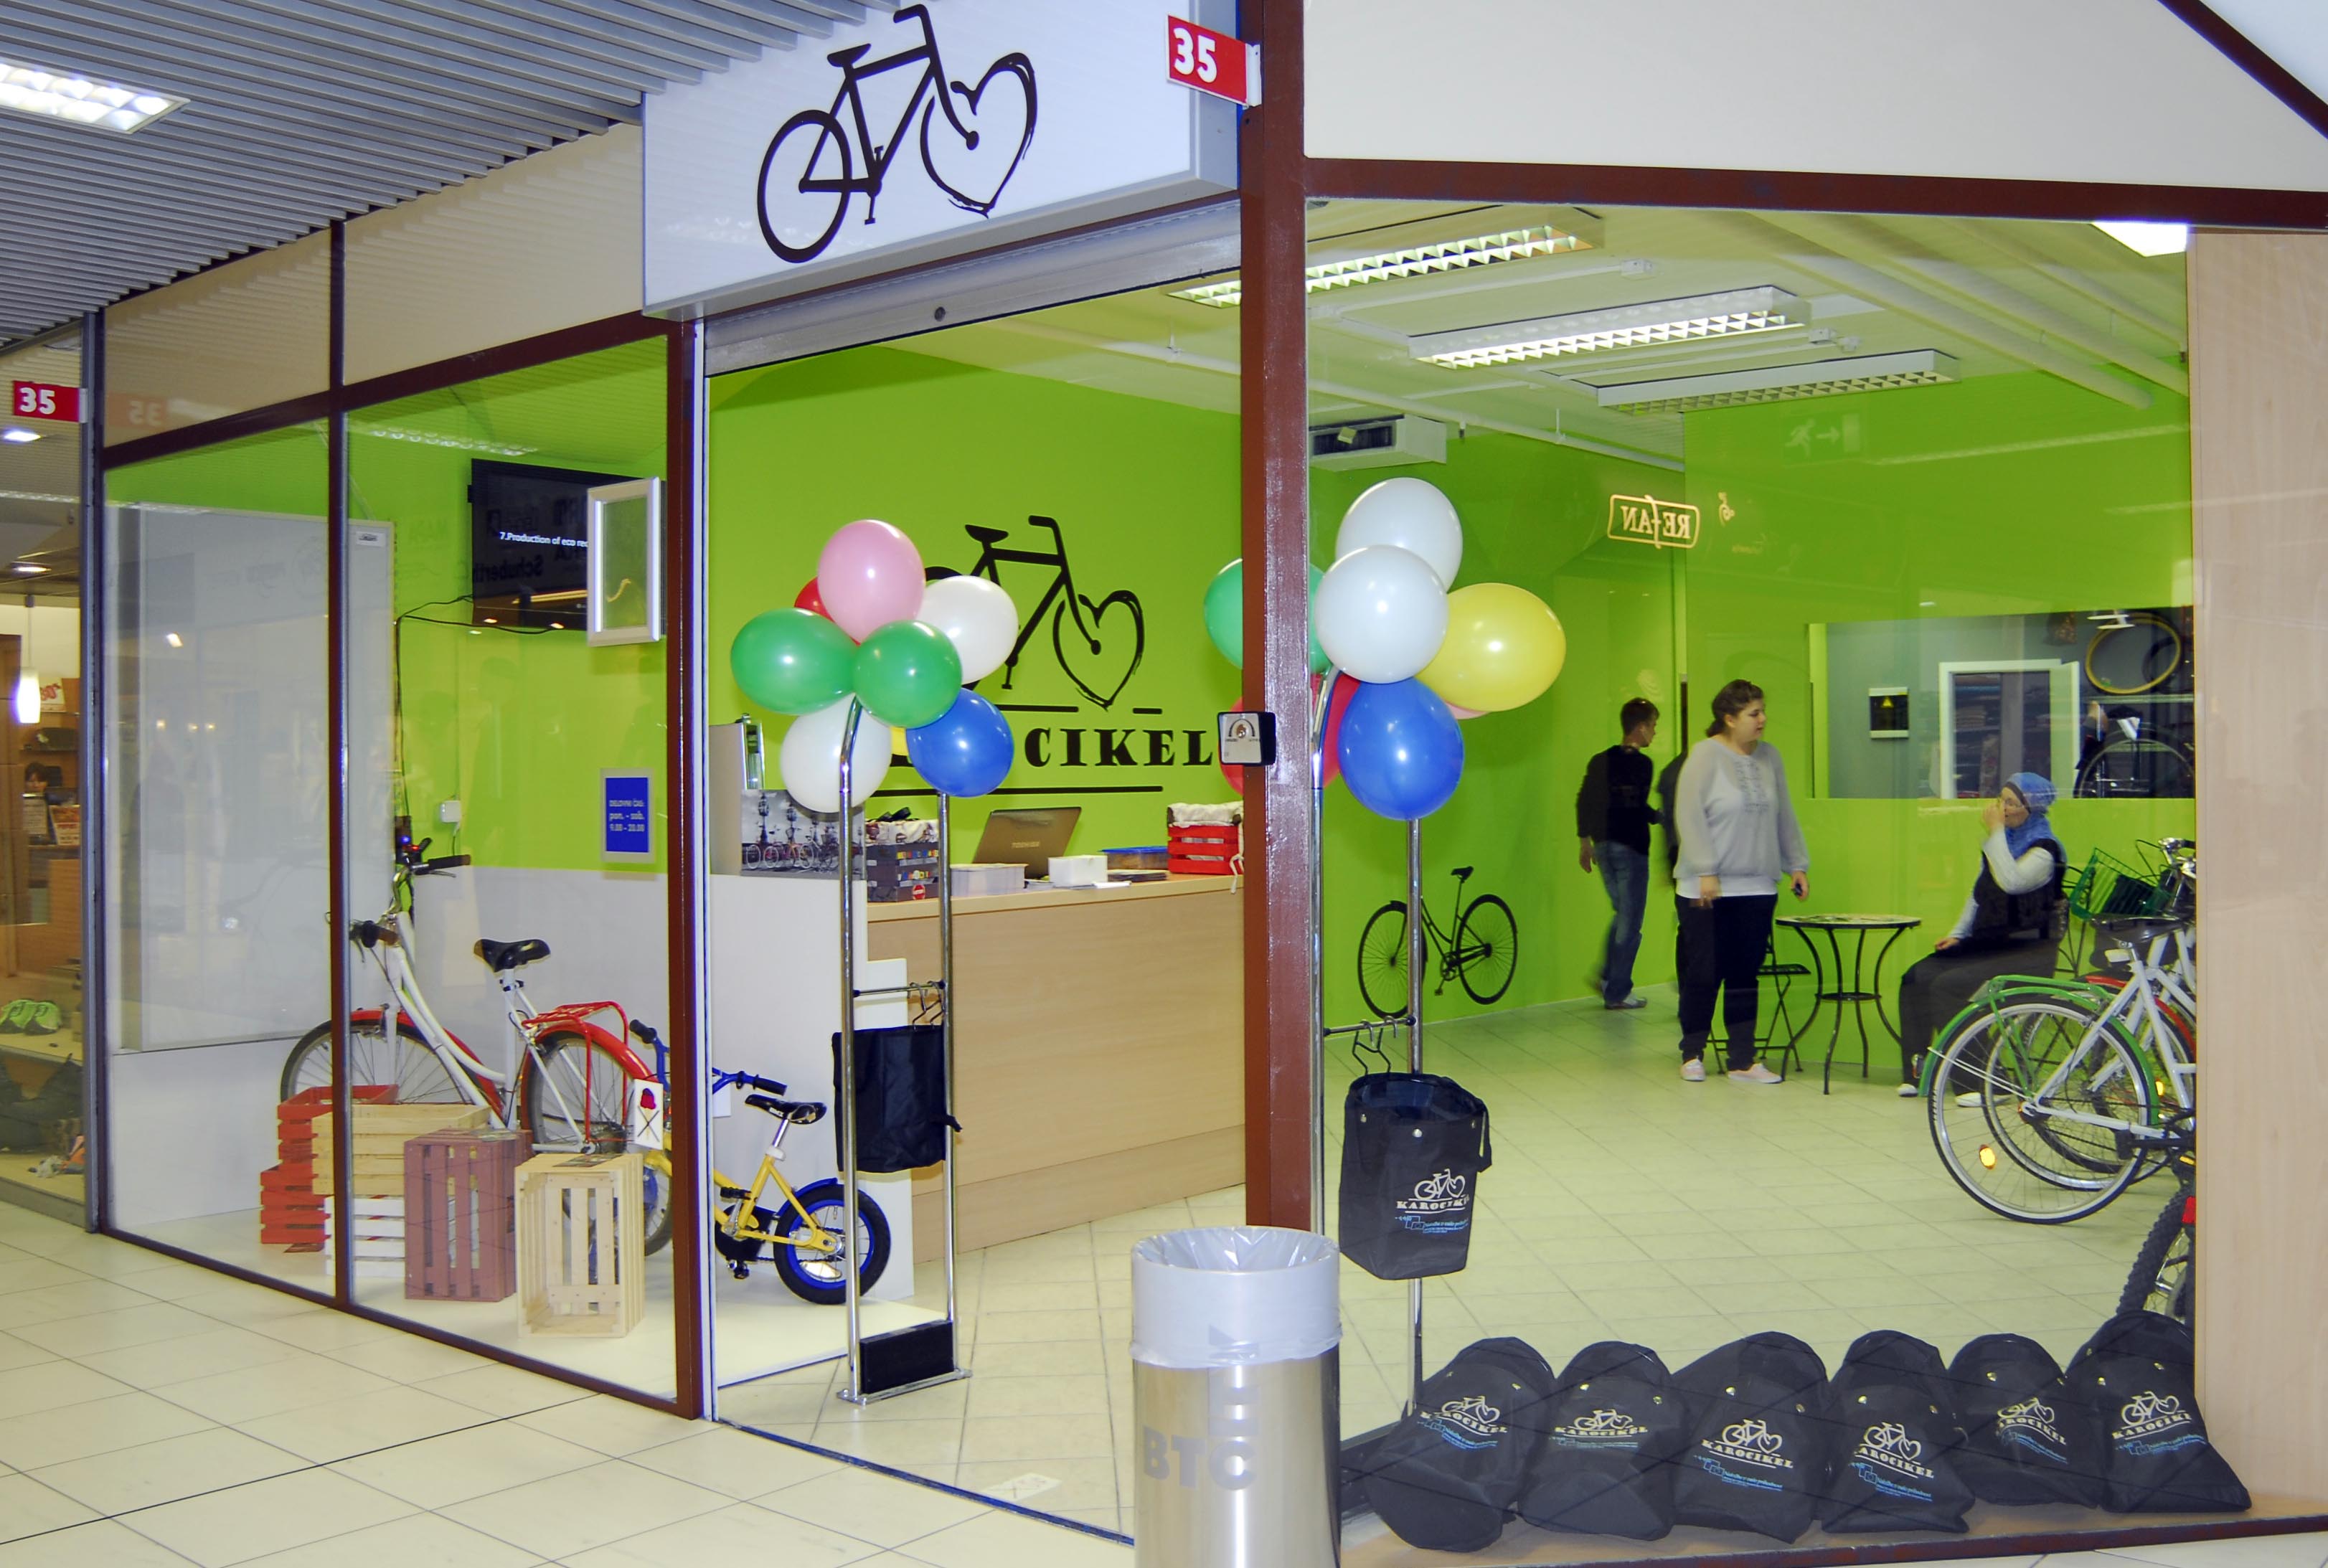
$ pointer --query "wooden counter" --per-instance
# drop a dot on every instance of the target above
(1099, 1049)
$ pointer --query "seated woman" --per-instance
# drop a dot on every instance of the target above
(2012, 924)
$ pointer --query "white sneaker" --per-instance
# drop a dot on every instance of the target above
(1755, 1074)
(1907, 1091)
(1970, 1100)
(1693, 1071)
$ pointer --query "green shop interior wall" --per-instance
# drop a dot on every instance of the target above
(1146, 497)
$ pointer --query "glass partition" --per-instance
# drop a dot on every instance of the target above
(236, 337)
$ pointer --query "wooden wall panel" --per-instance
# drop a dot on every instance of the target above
(2260, 438)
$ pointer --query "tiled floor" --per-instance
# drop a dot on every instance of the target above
(152, 1413)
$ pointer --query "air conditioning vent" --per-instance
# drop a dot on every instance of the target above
(1386, 443)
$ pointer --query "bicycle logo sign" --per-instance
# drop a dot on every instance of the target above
(1097, 651)
(1445, 1185)
(971, 138)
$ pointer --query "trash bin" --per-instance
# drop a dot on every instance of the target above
(1236, 1399)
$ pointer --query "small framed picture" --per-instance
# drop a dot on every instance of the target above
(624, 546)
(1887, 713)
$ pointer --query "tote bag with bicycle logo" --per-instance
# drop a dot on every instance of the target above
(2158, 1458)
(2028, 1436)
(1414, 1145)
(1897, 1433)
(1760, 1440)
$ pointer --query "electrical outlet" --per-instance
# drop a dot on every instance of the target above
(449, 812)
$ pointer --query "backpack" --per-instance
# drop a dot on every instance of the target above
(1414, 1145)
(2028, 1436)
(1760, 1440)
(1896, 1425)
(1449, 1474)
(902, 1115)
(1607, 1439)
(2138, 1371)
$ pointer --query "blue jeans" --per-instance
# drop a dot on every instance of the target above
(1625, 873)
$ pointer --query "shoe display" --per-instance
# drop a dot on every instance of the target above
(1693, 1071)
(1628, 1005)
(1755, 1074)
(44, 1018)
(15, 1015)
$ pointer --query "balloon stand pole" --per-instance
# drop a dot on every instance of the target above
(927, 1354)
(1325, 705)
(1414, 959)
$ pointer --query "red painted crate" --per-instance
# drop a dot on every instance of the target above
(1204, 849)
(290, 1213)
(460, 1216)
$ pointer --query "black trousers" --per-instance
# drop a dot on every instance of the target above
(1938, 986)
(1721, 951)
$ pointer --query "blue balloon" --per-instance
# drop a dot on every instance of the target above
(1402, 751)
(964, 751)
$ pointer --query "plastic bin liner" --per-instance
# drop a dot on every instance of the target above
(1234, 1296)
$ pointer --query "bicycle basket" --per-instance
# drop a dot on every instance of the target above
(2108, 890)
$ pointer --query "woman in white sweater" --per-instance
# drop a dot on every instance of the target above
(1738, 836)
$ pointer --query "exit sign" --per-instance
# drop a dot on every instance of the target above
(1212, 62)
(42, 400)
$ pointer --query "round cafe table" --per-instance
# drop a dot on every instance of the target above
(1866, 984)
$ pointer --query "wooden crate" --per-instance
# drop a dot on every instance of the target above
(460, 1206)
(581, 1233)
(382, 1133)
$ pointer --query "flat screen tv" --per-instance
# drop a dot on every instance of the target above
(527, 548)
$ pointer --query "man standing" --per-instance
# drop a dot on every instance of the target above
(1612, 829)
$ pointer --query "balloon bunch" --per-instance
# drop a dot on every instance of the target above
(869, 629)
(1413, 658)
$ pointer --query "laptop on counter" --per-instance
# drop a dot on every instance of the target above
(1029, 837)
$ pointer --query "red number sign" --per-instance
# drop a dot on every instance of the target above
(1212, 61)
(40, 400)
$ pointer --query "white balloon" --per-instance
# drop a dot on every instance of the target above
(810, 760)
(978, 617)
(1412, 514)
(1380, 614)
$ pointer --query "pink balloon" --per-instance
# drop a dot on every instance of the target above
(869, 576)
(1465, 712)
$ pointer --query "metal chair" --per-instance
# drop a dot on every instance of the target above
(1781, 1030)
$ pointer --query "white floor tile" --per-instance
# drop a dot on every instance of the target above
(412, 1542)
(45, 1385)
(611, 1426)
(104, 1542)
(408, 1359)
(241, 1523)
(28, 1507)
(101, 1426)
(565, 1515)
(90, 1333)
(163, 1472)
(872, 1506)
(738, 1463)
(216, 1349)
(438, 1471)
(740, 1534)
(296, 1381)
(499, 1390)
(347, 1427)
(2304, 1551)
(1000, 1540)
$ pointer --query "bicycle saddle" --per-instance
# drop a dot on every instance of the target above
(799, 1112)
(1463, 871)
(985, 535)
(2140, 930)
(502, 956)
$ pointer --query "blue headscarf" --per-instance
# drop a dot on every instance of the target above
(2037, 790)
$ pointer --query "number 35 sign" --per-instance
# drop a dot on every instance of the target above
(1212, 61)
(40, 400)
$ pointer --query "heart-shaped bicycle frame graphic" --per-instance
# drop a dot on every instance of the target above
(1088, 655)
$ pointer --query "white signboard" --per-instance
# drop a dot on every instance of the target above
(928, 131)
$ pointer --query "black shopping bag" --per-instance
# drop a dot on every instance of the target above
(902, 1114)
(1609, 1440)
(1412, 1148)
(1896, 1427)
(1449, 1474)
(2137, 1367)
(2028, 1436)
(1760, 1440)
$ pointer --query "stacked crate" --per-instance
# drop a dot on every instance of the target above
(460, 1206)
(291, 1209)
(374, 1205)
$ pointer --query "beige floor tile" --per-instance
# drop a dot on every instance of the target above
(562, 1515)
(163, 1472)
(774, 1401)
(102, 1255)
(438, 1471)
(323, 1330)
(48, 1384)
(75, 1432)
(408, 1359)
(1037, 1359)
(236, 1301)
(174, 1282)
(610, 1426)
(915, 1446)
(1000, 1540)
(28, 1507)
(293, 1382)
(1884, 1290)
(74, 1299)
(2304, 1551)
(27, 1272)
(217, 1349)
(1072, 1395)
(1018, 1328)
(872, 1506)
(410, 1542)
(1035, 1296)
(15, 1353)
(349, 1426)
(500, 1390)
(1072, 1484)
(1034, 1437)
(105, 1542)
(121, 1329)
(235, 1526)
(736, 1463)
(739, 1534)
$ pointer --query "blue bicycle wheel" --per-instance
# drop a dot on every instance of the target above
(814, 1274)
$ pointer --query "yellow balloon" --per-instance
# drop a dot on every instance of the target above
(1504, 647)
(896, 741)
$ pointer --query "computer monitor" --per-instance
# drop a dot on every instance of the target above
(1029, 837)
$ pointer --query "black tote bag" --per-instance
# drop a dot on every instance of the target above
(1896, 1423)
(2138, 1366)
(1414, 1145)
(2028, 1436)
(902, 1114)
(1612, 1434)
(1761, 1442)
(1449, 1474)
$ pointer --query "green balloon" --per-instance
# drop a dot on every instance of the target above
(1224, 614)
(793, 661)
(907, 673)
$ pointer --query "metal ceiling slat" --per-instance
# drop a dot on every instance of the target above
(615, 35)
(155, 216)
(721, 35)
(458, 23)
(850, 11)
(173, 178)
(91, 250)
(298, 168)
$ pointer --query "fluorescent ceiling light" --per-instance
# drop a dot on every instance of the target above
(431, 439)
(27, 569)
(1777, 383)
(18, 436)
(1410, 261)
(1740, 313)
(2147, 239)
(60, 94)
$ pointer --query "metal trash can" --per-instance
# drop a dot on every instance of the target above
(1236, 1399)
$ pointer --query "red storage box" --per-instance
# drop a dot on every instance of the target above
(1204, 850)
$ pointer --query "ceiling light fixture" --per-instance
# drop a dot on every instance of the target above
(27, 569)
(1738, 313)
(1779, 383)
(61, 95)
(16, 436)
(2148, 239)
(1410, 261)
(431, 439)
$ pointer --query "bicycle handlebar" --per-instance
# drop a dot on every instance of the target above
(766, 1085)
(440, 863)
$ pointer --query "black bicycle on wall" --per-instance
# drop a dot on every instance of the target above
(1088, 665)
(1481, 956)
(812, 166)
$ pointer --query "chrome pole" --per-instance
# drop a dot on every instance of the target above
(845, 1091)
(1414, 1059)
(945, 1000)
(1318, 1210)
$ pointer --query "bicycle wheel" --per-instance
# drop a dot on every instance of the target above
(2018, 1149)
(2163, 1279)
(1382, 961)
(1487, 949)
(404, 1062)
(800, 209)
(2140, 769)
(577, 1097)
(815, 1274)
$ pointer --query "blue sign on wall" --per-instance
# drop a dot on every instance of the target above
(627, 823)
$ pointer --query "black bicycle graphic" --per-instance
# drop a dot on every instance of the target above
(1062, 603)
(1482, 956)
(804, 189)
